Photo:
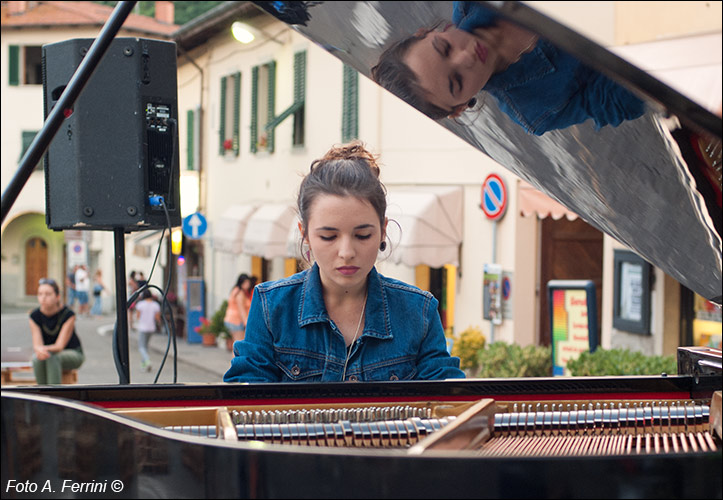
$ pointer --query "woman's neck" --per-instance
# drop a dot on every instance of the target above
(50, 310)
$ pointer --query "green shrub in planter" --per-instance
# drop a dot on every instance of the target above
(620, 362)
(503, 360)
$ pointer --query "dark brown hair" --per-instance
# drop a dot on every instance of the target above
(394, 75)
(346, 170)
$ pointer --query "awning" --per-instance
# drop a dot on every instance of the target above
(533, 202)
(430, 225)
(229, 229)
(293, 240)
(267, 230)
(145, 242)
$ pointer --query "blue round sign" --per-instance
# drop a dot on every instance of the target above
(494, 197)
(194, 226)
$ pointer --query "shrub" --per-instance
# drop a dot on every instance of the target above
(620, 362)
(503, 360)
(466, 346)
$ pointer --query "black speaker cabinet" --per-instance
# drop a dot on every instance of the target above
(117, 150)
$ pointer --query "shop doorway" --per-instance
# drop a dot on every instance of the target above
(36, 264)
(569, 250)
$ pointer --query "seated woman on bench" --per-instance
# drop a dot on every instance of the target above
(56, 345)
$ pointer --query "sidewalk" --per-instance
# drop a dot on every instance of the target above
(206, 364)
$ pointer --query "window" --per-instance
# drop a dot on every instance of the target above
(230, 115)
(25, 65)
(297, 107)
(263, 106)
(350, 105)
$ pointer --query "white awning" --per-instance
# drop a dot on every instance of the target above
(229, 229)
(145, 242)
(534, 202)
(267, 230)
(430, 220)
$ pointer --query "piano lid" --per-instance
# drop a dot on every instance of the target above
(612, 143)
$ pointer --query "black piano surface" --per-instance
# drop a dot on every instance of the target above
(74, 433)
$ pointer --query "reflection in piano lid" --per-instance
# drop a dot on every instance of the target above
(634, 175)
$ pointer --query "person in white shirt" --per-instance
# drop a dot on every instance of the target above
(148, 317)
(82, 290)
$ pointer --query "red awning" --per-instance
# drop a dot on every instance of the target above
(533, 202)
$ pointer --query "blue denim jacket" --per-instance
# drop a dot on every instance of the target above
(549, 89)
(291, 338)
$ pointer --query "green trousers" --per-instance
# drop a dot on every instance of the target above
(50, 371)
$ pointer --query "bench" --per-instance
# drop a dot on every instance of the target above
(16, 368)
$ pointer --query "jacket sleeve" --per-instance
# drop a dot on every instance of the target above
(253, 359)
(434, 361)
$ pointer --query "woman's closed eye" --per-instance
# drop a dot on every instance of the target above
(333, 237)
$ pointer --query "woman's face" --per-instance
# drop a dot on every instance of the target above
(344, 236)
(47, 298)
(452, 66)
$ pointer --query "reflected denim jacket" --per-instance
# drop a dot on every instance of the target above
(549, 89)
(291, 338)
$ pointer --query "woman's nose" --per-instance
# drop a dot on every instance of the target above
(463, 57)
(346, 248)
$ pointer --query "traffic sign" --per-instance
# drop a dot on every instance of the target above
(195, 225)
(494, 197)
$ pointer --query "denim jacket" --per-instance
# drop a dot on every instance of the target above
(291, 338)
(549, 89)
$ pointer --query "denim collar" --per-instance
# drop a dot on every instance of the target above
(376, 314)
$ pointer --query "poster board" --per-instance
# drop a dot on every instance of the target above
(573, 321)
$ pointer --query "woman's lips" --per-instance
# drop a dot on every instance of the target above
(481, 52)
(347, 270)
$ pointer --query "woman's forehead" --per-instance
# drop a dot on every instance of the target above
(334, 210)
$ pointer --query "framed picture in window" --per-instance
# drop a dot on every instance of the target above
(631, 294)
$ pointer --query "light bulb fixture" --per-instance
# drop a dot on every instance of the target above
(242, 32)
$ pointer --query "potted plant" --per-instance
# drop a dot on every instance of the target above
(211, 329)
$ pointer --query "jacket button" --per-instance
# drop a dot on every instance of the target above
(295, 370)
(353, 378)
(393, 377)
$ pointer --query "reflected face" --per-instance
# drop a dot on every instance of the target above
(344, 236)
(452, 66)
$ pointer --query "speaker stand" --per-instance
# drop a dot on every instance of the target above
(120, 338)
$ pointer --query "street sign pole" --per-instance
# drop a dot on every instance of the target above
(494, 206)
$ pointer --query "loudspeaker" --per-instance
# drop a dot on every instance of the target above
(117, 149)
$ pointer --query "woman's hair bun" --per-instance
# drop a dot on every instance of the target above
(354, 150)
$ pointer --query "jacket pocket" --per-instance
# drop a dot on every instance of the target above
(299, 366)
(403, 368)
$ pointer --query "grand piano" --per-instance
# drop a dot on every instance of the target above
(558, 437)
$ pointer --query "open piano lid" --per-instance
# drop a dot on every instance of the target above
(648, 182)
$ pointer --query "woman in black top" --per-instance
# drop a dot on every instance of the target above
(56, 346)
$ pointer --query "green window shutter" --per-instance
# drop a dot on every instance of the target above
(254, 108)
(222, 123)
(284, 115)
(190, 125)
(350, 105)
(14, 69)
(299, 97)
(236, 112)
(27, 140)
(299, 76)
(272, 103)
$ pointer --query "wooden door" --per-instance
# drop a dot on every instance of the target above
(36, 264)
(571, 250)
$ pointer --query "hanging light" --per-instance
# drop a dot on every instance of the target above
(242, 32)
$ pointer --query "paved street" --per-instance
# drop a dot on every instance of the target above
(196, 363)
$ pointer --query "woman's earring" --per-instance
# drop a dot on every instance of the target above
(472, 102)
(383, 246)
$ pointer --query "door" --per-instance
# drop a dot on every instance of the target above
(569, 250)
(36, 264)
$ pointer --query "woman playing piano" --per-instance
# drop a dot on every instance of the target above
(340, 320)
